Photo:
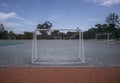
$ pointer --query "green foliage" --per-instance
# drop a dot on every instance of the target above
(113, 19)
(2, 28)
(28, 35)
(112, 26)
(46, 25)
(3, 33)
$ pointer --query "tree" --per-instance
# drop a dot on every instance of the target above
(46, 25)
(3, 32)
(11, 33)
(111, 26)
(93, 30)
(2, 28)
(55, 33)
(113, 20)
(100, 27)
(28, 35)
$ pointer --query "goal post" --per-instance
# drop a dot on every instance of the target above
(57, 46)
(103, 36)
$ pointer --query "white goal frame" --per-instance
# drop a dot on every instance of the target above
(34, 48)
(108, 36)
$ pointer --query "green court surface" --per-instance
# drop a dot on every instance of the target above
(9, 43)
(97, 54)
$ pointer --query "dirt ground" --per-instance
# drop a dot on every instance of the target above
(59, 74)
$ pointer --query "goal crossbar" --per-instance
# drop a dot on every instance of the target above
(107, 34)
(35, 46)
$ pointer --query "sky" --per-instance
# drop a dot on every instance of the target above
(25, 15)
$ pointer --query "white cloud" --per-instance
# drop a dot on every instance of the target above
(13, 20)
(19, 27)
(11, 15)
(4, 5)
(12, 24)
(5, 16)
(110, 2)
(105, 2)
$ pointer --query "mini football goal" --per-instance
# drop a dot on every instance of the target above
(104, 37)
(57, 46)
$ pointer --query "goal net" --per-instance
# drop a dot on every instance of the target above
(104, 37)
(57, 46)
